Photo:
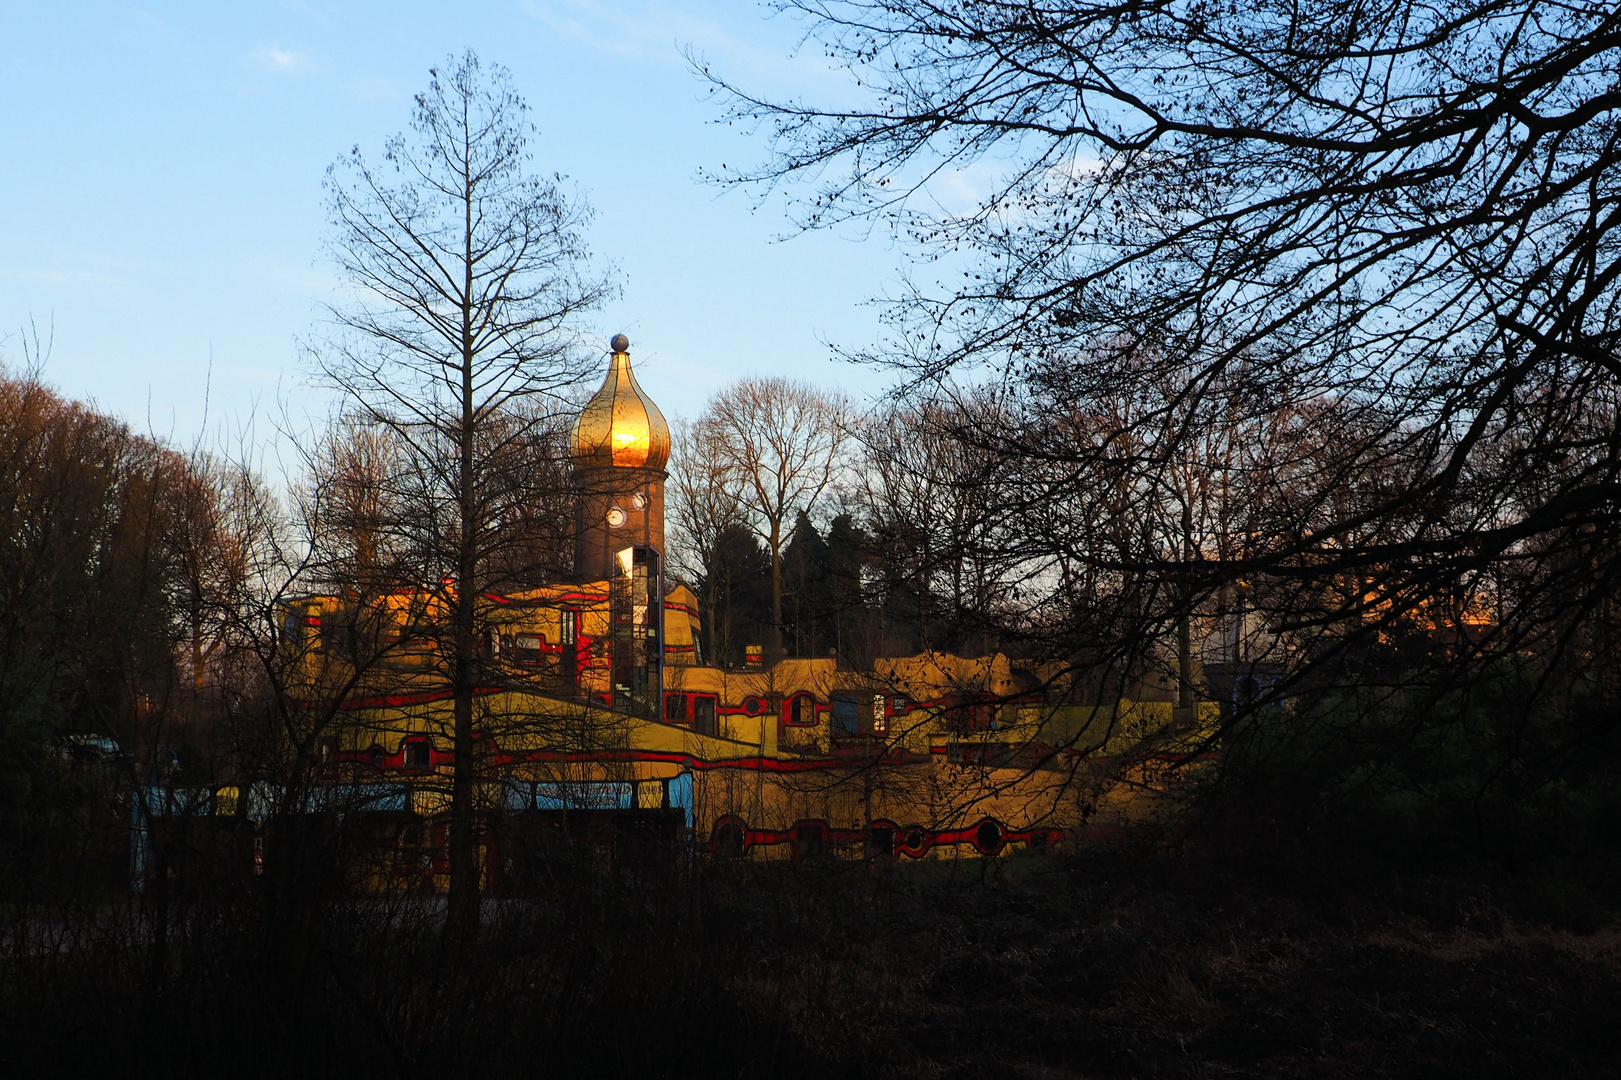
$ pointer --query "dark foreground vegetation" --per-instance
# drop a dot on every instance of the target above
(1219, 962)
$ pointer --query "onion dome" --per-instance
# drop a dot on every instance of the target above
(620, 426)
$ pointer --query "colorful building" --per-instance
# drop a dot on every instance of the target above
(597, 714)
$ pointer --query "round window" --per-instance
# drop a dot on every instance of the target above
(639, 501)
(616, 517)
(753, 706)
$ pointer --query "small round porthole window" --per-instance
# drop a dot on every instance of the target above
(753, 706)
(639, 501)
(616, 517)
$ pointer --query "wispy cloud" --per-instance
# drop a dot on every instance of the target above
(275, 58)
(660, 32)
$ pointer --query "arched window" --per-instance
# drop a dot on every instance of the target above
(418, 754)
(802, 709)
(729, 840)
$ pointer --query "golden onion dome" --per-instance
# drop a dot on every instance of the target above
(620, 426)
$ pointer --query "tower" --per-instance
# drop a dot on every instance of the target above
(620, 446)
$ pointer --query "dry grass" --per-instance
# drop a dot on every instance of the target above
(1060, 967)
(1128, 967)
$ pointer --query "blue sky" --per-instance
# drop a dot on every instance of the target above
(161, 205)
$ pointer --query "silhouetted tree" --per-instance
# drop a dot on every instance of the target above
(807, 597)
(1316, 306)
(705, 507)
(736, 596)
(471, 271)
(782, 441)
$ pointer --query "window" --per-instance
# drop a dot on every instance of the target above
(810, 840)
(989, 838)
(526, 648)
(730, 841)
(416, 853)
(418, 754)
(675, 708)
(568, 639)
(334, 631)
(753, 706)
(971, 714)
(847, 714)
(900, 705)
(802, 709)
(880, 722)
(703, 714)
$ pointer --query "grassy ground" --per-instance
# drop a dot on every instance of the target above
(1083, 966)
(1110, 966)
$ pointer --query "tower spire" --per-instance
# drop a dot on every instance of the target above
(620, 445)
(620, 426)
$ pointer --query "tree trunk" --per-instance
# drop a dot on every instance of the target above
(711, 629)
(776, 593)
(462, 905)
(462, 914)
(1184, 630)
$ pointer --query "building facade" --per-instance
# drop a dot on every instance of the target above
(596, 712)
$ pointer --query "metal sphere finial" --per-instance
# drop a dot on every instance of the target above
(620, 343)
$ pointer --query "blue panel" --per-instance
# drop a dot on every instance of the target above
(260, 804)
(846, 714)
(681, 796)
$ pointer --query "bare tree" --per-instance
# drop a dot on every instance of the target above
(354, 500)
(470, 271)
(1386, 236)
(706, 500)
(1406, 214)
(782, 441)
(932, 484)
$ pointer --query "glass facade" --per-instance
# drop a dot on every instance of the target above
(636, 614)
